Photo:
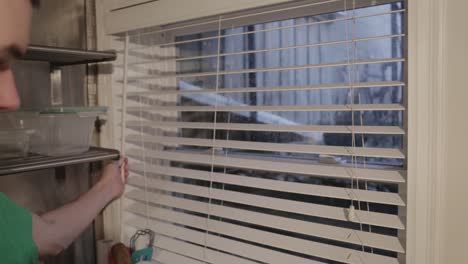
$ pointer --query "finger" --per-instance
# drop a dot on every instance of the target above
(121, 162)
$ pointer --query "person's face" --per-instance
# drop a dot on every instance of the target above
(15, 18)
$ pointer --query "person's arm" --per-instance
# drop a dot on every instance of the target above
(56, 230)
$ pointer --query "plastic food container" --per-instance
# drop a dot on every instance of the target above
(62, 130)
(14, 136)
(14, 143)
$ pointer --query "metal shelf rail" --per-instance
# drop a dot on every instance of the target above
(58, 57)
(38, 162)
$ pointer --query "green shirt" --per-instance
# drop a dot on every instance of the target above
(16, 243)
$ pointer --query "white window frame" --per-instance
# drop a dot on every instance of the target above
(427, 115)
(427, 130)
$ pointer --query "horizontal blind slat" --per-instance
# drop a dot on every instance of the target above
(271, 108)
(165, 257)
(266, 89)
(275, 185)
(383, 130)
(150, 59)
(258, 70)
(221, 243)
(298, 245)
(292, 225)
(194, 251)
(325, 21)
(320, 44)
(377, 175)
(324, 211)
(275, 147)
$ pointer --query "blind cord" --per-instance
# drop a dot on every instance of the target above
(351, 210)
(124, 120)
(352, 79)
(355, 80)
(361, 116)
(226, 152)
(142, 142)
(213, 149)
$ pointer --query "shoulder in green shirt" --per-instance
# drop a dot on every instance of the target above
(16, 243)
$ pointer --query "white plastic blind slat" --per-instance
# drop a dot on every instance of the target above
(259, 141)
(266, 89)
(195, 252)
(263, 70)
(286, 27)
(220, 243)
(281, 147)
(291, 187)
(163, 256)
(330, 212)
(271, 108)
(276, 28)
(263, 237)
(377, 175)
(318, 230)
(268, 50)
(380, 130)
(292, 47)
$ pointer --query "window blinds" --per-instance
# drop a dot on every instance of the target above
(269, 136)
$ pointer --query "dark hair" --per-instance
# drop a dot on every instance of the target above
(36, 3)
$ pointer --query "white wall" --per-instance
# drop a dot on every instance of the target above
(455, 223)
